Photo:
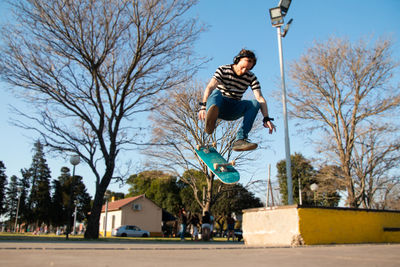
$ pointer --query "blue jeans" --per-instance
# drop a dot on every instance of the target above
(231, 109)
(182, 231)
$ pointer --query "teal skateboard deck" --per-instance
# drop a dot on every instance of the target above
(218, 165)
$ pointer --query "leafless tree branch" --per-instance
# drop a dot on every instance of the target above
(346, 92)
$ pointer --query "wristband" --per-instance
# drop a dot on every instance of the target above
(202, 109)
(267, 119)
(202, 104)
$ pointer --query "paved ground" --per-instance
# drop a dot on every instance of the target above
(193, 254)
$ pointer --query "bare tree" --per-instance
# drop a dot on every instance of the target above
(90, 67)
(389, 197)
(373, 160)
(347, 93)
(178, 131)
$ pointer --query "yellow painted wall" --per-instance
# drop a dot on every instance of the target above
(330, 226)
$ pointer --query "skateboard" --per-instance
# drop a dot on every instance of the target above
(218, 165)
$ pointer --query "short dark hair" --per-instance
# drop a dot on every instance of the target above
(245, 53)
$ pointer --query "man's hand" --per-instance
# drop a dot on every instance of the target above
(202, 114)
(270, 126)
(210, 87)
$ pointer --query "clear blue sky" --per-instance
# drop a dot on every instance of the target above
(236, 24)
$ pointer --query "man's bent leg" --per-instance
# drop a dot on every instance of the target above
(250, 110)
(235, 109)
(211, 119)
(213, 105)
(250, 113)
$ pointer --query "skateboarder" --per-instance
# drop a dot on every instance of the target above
(231, 81)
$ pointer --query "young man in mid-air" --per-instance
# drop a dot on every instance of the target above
(231, 81)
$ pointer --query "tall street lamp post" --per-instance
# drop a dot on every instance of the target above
(74, 160)
(277, 14)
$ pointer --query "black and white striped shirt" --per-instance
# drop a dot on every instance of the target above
(232, 85)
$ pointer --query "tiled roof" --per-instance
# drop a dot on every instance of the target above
(118, 204)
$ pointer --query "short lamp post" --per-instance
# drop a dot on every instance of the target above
(75, 211)
(300, 197)
(277, 15)
(107, 195)
(314, 188)
(74, 160)
(16, 215)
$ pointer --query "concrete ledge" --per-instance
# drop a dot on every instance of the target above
(300, 225)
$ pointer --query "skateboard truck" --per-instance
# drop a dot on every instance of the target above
(222, 167)
(206, 147)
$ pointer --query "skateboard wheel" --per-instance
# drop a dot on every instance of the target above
(198, 147)
(215, 166)
(214, 144)
(233, 162)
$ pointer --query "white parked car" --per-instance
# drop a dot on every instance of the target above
(130, 230)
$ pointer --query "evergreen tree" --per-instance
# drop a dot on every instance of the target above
(12, 195)
(301, 170)
(40, 200)
(25, 212)
(58, 209)
(82, 199)
(3, 184)
(61, 199)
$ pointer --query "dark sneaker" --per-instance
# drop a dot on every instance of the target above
(211, 119)
(243, 145)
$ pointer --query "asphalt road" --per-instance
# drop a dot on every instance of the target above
(193, 254)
